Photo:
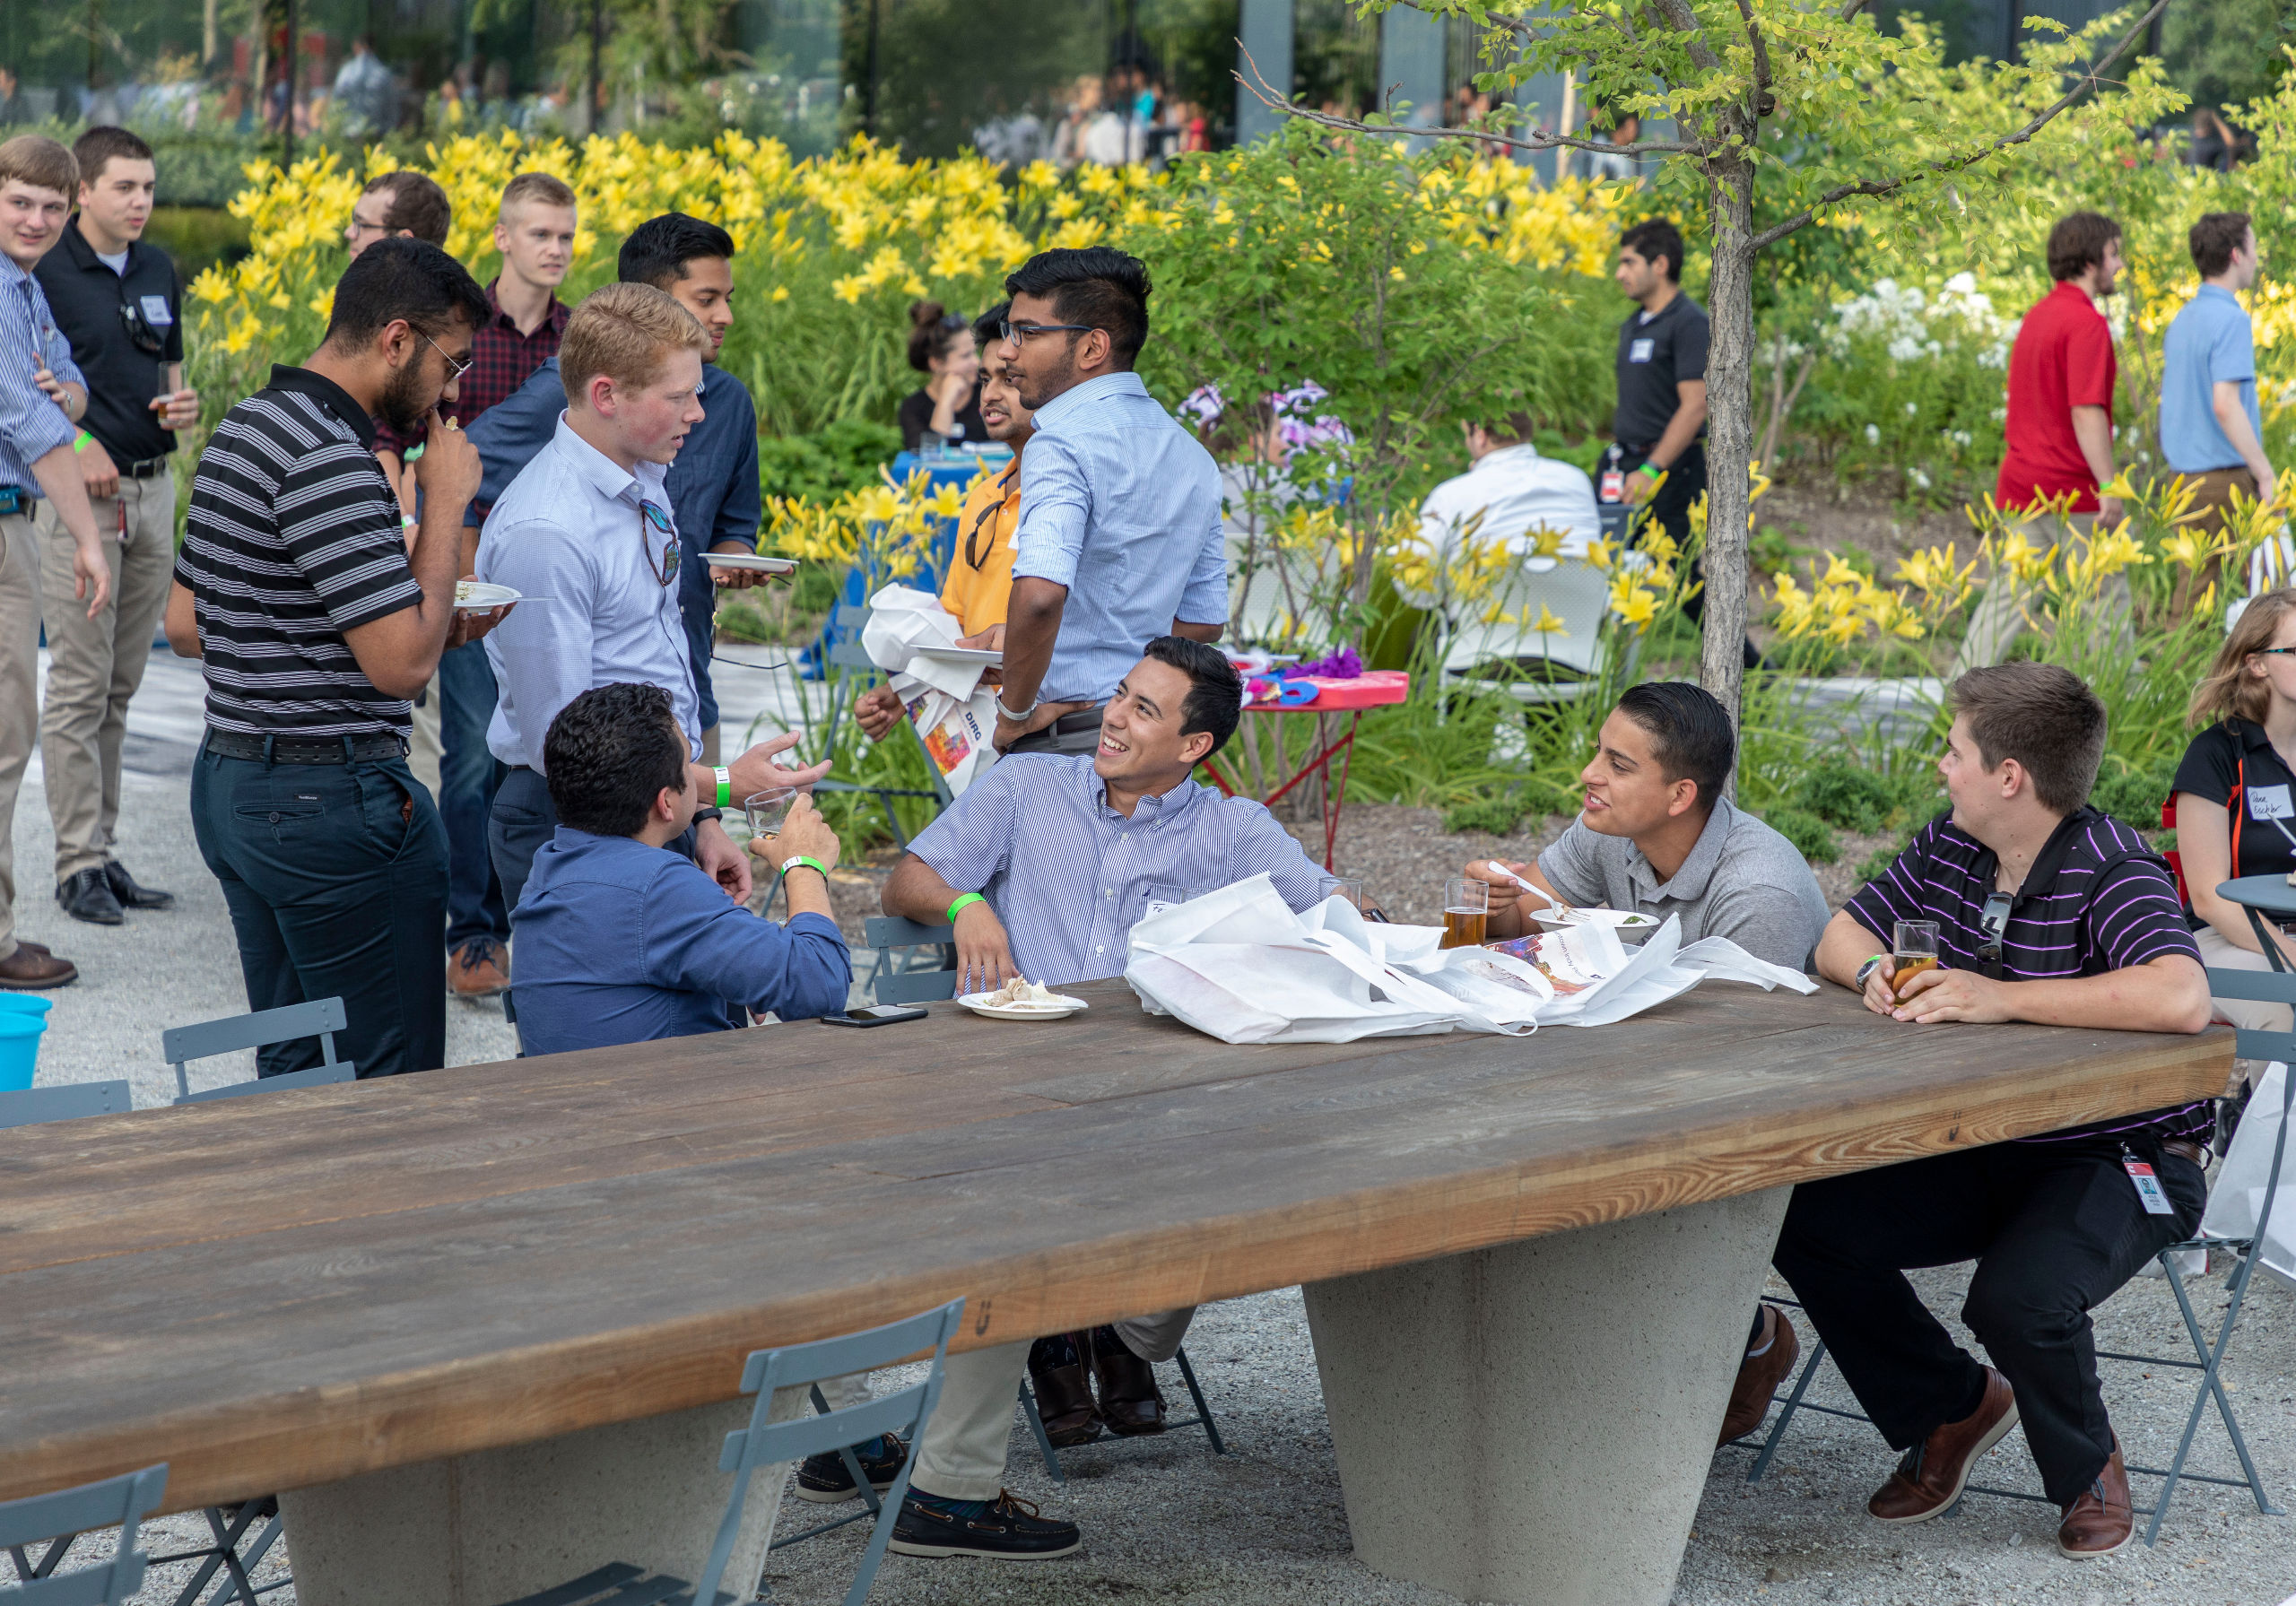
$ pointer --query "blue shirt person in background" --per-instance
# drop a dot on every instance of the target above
(713, 484)
(623, 939)
(1118, 540)
(2210, 431)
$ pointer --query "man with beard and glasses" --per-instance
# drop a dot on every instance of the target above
(317, 625)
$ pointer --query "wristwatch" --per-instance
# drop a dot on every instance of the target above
(708, 812)
(1865, 970)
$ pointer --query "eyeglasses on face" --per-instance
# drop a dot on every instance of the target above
(1018, 334)
(457, 367)
(2275, 652)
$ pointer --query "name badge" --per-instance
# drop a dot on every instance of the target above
(2270, 803)
(155, 311)
(2148, 1186)
(1639, 351)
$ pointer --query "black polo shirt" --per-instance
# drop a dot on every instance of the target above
(2232, 763)
(1653, 356)
(88, 298)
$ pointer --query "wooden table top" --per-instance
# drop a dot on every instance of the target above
(274, 1292)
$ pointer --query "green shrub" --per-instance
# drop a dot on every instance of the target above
(1812, 837)
(1856, 800)
(1494, 816)
(2131, 794)
(834, 459)
(1877, 862)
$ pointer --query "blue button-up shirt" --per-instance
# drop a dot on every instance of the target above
(31, 425)
(1120, 504)
(2210, 340)
(570, 529)
(621, 942)
(1070, 877)
(713, 485)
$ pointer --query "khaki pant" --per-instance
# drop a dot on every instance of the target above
(19, 694)
(960, 1454)
(2220, 954)
(2212, 502)
(426, 750)
(2001, 615)
(96, 665)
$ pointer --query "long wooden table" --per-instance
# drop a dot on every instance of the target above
(289, 1292)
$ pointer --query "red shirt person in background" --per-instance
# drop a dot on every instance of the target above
(2059, 427)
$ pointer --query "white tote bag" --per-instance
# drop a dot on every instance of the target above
(2236, 1200)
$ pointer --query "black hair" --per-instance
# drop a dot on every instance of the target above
(1215, 697)
(403, 278)
(989, 327)
(657, 249)
(934, 331)
(1099, 287)
(1654, 237)
(609, 753)
(1689, 735)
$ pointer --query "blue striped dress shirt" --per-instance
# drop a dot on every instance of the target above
(31, 425)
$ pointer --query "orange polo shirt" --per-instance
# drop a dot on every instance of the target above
(979, 587)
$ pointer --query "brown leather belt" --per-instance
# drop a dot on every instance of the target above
(2185, 1149)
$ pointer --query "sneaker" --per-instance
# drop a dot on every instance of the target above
(479, 968)
(1004, 1529)
(823, 1480)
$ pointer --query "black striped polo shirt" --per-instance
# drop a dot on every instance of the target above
(2080, 925)
(293, 538)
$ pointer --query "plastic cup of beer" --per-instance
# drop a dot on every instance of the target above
(1913, 949)
(1466, 908)
(767, 810)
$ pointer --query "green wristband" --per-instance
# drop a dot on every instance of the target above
(808, 861)
(81, 442)
(962, 899)
(725, 790)
(1651, 469)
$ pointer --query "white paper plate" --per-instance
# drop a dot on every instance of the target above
(474, 594)
(960, 655)
(1064, 1007)
(767, 565)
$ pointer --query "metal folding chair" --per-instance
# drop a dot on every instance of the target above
(908, 981)
(321, 1018)
(1203, 1419)
(32, 1106)
(63, 1517)
(846, 661)
(765, 1443)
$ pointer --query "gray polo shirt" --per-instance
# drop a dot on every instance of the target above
(1742, 881)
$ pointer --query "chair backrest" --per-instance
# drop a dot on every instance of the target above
(2259, 986)
(321, 1018)
(763, 1442)
(33, 1106)
(1573, 590)
(318, 1076)
(888, 933)
(125, 1500)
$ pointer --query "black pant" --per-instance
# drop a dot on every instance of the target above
(2055, 1228)
(336, 879)
(1670, 511)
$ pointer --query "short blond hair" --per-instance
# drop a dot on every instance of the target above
(626, 332)
(44, 163)
(548, 188)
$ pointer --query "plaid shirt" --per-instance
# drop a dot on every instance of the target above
(500, 358)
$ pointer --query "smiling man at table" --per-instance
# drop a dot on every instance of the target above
(2050, 912)
(1044, 865)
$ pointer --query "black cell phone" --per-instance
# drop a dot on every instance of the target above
(876, 1014)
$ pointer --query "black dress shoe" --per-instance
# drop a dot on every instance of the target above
(823, 1480)
(131, 896)
(86, 894)
(1004, 1529)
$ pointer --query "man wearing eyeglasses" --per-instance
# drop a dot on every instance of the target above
(119, 302)
(1119, 540)
(588, 526)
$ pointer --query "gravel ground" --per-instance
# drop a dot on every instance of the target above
(1167, 1520)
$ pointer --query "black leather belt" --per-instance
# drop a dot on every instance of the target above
(2185, 1149)
(304, 749)
(151, 468)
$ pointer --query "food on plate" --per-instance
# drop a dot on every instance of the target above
(1020, 990)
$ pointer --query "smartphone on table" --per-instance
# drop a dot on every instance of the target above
(876, 1014)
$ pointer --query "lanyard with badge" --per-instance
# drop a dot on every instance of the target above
(2274, 804)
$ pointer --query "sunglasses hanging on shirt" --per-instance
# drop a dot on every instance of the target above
(667, 569)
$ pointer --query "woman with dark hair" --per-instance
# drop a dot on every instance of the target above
(948, 407)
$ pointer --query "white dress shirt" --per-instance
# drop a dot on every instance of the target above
(1519, 493)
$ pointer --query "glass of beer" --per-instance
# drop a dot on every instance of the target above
(1467, 906)
(767, 809)
(1913, 949)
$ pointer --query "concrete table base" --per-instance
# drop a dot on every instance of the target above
(1534, 1423)
(481, 1529)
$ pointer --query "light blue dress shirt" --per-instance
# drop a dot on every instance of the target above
(570, 529)
(2210, 340)
(1069, 877)
(31, 425)
(1120, 503)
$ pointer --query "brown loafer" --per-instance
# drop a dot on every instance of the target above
(1929, 1479)
(31, 969)
(1130, 1401)
(1759, 1375)
(1065, 1400)
(2101, 1520)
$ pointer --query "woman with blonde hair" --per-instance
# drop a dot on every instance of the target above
(2234, 796)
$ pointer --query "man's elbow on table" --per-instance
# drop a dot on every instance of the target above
(2184, 1004)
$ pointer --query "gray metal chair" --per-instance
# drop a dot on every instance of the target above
(765, 1443)
(847, 663)
(1203, 1419)
(907, 980)
(321, 1018)
(32, 1106)
(61, 1517)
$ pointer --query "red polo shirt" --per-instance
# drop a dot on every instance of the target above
(2063, 360)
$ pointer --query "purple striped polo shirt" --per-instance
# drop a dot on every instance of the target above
(2073, 927)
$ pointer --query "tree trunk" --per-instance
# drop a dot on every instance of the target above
(1729, 449)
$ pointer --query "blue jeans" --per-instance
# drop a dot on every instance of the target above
(469, 776)
(335, 876)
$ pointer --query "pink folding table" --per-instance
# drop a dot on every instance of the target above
(1373, 689)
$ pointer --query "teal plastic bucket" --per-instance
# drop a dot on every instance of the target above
(20, 1032)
